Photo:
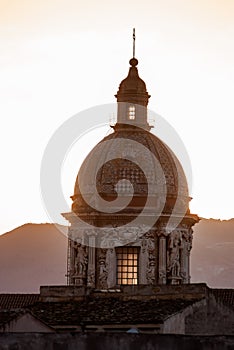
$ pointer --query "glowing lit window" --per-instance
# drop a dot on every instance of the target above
(131, 112)
(127, 265)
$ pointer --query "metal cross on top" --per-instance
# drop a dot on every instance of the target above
(134, 39)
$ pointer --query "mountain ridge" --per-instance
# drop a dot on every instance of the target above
(35, 254)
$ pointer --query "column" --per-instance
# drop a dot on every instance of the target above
(143, 262)
(183, 261)
(91, 259)
(162, 261)
(111, 264)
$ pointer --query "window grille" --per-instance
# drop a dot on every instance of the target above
(127, 265)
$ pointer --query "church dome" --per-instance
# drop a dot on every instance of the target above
(131, 162)
(130, 219)
(112, 175)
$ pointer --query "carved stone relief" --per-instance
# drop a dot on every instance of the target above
(151, 263)
(79, 263)
(103, 269)
(173, 254)
(188, 238)
(119, 236)
(91, 278)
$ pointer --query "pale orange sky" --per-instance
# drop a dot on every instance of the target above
(60, 57)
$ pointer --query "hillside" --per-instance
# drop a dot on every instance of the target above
(30, 256)
(212, 255)
(35, 254)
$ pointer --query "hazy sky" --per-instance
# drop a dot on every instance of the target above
(60, 57)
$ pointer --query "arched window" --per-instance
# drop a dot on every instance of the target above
(127, 265)
(131, 112)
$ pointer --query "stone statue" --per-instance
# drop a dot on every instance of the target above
(103, 271)
(80, 261)
(174, 246)
(188, 237)
(150, 273)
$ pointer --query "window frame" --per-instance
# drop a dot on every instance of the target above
(127, 265)
(131, 112)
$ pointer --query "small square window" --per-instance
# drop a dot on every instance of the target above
(127, 265)
(131, 112)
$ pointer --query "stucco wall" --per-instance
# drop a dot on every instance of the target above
(175, 324)
(26, 323)
(211, 318)
(112, 341)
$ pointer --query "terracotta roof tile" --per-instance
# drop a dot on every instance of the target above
(16, 301)
(226, 296)
(108, 311)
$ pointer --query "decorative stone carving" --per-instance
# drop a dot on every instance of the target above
(151, 270)
(103, 270)
(119, 236)
(80, 260)
(161, 232)
(76, 234)
(143, 261)
(144, 245)
(188, 238)
(91, 278)
(151, 265)
(173, 258)
(162, 276)
(78, 272)
(150, 234)
(162, 260)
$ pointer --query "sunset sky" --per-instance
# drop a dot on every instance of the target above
(61, 57)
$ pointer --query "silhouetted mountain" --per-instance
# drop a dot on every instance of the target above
(32, 255)
(35, 254)
(212, 255)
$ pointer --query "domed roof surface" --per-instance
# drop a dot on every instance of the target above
(131, 162)
(114, 164)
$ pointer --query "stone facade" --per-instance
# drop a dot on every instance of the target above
(150, 213)
(163, 257)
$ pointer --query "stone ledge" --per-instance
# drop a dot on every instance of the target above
(67, 293)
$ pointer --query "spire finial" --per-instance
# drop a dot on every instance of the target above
(134, 39)
(133, 61)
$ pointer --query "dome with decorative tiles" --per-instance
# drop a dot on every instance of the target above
(131, 161)
(130, 222)
(121, 176)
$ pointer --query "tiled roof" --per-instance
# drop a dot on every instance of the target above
(226, 296)
(16, 301)
(107, 311)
